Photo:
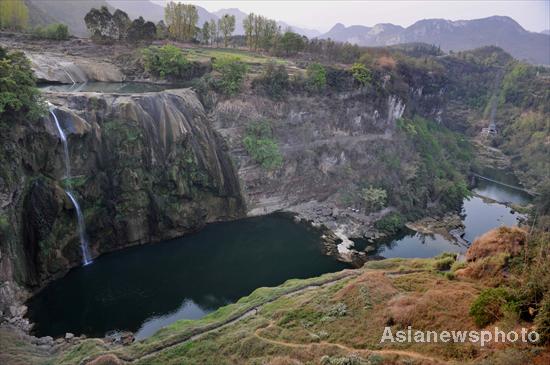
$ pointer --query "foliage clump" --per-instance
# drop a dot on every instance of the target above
(274, 81)
(107, 28)
(489, 306)
(56, 31)
(232, 73)
(361, 74)
(166, 62)
(390, 223)
(374, 198)
(19, 97)
(261, 146)
(316, 77)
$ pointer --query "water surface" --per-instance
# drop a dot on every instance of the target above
(144, 288)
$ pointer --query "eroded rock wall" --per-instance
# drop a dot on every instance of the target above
(145, 167)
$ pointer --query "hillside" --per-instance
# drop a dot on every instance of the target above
(71, 13)
(450, 35)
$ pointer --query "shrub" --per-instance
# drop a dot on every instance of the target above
(165, 61)
(274, 81)
(390, 223)
(19, 97)
(261, 146)
(316, 77)
(374, 198)
(232, 74)
(55, 31)
(361, 74)
(542, 320)
(489, 306)
(444, 263)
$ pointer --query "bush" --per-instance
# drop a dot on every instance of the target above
(316, 77)
(274, 81)
(374, 198)
(390, 223)
(232, 74)
(261, 146)
(165, 61)
(542, 320)
(361, 74)
(489, 306)
(19, 97)
(55, 31)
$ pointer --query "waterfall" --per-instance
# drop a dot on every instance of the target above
(84, 245)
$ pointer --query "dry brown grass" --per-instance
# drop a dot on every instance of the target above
(106, 360)
(508, 240)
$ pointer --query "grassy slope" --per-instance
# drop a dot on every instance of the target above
(345, 316)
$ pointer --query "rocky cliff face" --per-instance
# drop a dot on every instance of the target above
(145, 167)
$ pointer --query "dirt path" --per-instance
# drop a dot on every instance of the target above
(410, 354)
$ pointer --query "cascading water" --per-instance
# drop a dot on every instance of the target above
(84, 246)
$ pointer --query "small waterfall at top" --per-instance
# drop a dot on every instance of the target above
(84, 246)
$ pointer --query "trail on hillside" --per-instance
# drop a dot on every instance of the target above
(411, 354)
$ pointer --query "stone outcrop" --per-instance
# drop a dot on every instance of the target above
(145, 168)
(63, 69)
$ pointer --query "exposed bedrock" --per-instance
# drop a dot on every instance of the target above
(50, 67)
(145, 168)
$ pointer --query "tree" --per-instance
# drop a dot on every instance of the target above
(106, 27)
(226, 24)
(181, 20)
(19, 97)
(374, 198)
(214, 32)
(205, 33)
(165, 61)
(162, 30)
(248, 25)
(14, 15)
(141, 31)
(291, 43)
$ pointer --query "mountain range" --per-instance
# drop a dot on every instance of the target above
(459, 35)
(450, 35)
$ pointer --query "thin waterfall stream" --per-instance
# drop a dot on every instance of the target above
(84, 244)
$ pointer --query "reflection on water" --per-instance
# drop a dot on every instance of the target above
(109, 87)
(500, 192)
(409, 244)
(479, 216)
(144, 288)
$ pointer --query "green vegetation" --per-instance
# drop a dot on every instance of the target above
(14, 15)
(181, 20)
(55, 31)
(165, 62)
(489, 306)
(374, 198)
(232, 73)
(261, 146)
(117, 27)
(226, 25)
(444, 157)
(291, 43)
(274, 81)
(391, 223)
(316, 77)
(19, 98)
(361, 74)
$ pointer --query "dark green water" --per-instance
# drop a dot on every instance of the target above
(144, 288)
(108, 87)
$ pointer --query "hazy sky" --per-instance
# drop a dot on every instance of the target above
(533, 15)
